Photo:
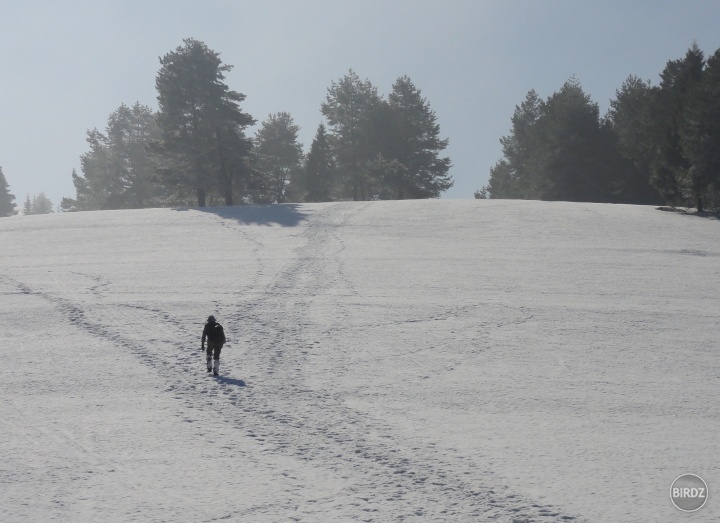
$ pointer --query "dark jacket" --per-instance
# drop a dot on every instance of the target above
(209, 332)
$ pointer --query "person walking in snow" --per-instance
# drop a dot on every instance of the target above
(215, 335)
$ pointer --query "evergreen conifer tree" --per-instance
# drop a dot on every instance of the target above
(700, 135)
(632, 118)
(7, 200)
(416, 145)
(349, 109)
(679, 81)
(42, 204)
(119, 170)
(28, 206)
(278, 153)
(558, 150)
(319, 168)
(517, 174)
(201, 122)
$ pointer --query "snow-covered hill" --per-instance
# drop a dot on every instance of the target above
(389, 361)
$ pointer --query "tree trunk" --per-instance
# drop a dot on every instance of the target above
(201, 196)
(225, 178)
(699, 203)
(228, 192)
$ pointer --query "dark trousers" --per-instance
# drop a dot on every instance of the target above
(213, 350)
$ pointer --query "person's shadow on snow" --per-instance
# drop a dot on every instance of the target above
(230, 381)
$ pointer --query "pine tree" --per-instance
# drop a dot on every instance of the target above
(503, 182)
(119, 170)
(416, 145)
(251, 184)
(574, 148)
(7, 200)
(278, 153)
(85, 197)
(130, 130)
(700, 135)
(517, 175)
(41, 204)
(319, 168)
(28, 206)
(558, 150)
(201, 122)
(68, 204)
(633, 121)
(389, 177)
(349, 109)
(679, 81)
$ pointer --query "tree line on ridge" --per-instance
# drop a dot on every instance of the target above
(656, 144)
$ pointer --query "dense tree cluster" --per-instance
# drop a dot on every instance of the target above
(656, 143)
(195, 149)
(119, 170)
(384, 149)
(39, 204)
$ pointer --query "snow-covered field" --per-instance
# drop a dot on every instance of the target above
(390, 361)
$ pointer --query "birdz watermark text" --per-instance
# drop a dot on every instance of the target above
(689, 492)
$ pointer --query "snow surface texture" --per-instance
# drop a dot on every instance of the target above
(390, 361)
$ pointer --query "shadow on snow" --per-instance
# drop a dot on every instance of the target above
(284, 215)
(230, 381)
(688, 212)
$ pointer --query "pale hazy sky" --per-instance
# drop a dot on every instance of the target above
(66, 65)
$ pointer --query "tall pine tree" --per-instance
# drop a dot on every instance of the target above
(632, 118)
(319, 168)
(7, 200)
(278, 153)
(201, 122)
(517, 174)
(349, 109)
(700, 136)
(574, 148)
(678, 82)
(28, 206)
(416, 145)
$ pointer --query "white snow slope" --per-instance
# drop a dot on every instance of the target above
(390, 361)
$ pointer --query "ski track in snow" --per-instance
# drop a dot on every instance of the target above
(279, 412)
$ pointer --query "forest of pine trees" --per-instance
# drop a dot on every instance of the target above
(195, 150)
(657, 144)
